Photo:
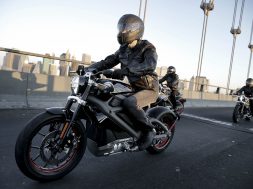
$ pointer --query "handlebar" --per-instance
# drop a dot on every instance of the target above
(237, 95)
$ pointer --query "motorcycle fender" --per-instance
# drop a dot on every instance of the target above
(56, 111)
(155, 112)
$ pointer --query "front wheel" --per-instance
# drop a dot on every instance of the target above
(40, 155)
(237, 113)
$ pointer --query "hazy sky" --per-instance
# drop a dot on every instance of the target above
(174, 27)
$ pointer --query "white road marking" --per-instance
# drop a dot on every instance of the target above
(208, 119)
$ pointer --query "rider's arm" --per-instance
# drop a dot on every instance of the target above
(163, 78)
(240, 90)
(109, 62)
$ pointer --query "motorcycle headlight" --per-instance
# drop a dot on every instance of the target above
(75, 84)
(241, 98)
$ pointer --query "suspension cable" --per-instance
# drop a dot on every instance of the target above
(234, 16)
(206, 7)
(242, 8)
(251, 49)
(145, 10)
(234, 31)
(251, 33)
(202, 54)
(201, 45)
(140, 8)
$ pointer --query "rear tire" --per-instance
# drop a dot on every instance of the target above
(162, 144)
(35, 137)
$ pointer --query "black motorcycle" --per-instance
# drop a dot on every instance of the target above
(164, 100)
(53, 142)
(242, 109)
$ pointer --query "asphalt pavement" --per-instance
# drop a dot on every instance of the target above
(203, 154)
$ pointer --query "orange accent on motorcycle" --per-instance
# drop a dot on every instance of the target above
(64, 129)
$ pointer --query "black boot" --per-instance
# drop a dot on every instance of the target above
(140, 119)
(146, 139)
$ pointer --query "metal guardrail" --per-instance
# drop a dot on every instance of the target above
(206, 88)
(39, 55)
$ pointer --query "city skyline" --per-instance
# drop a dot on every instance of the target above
(91, 27)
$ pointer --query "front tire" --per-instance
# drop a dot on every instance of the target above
(36, 153)
(237, 115)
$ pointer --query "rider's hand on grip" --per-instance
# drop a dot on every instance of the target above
(120, 73)
(107, 73)
(81, 70)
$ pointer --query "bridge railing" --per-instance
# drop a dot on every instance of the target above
(28, 62)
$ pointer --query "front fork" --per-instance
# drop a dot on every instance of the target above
(70, 120)
(242, 109)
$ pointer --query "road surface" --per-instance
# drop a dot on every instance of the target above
(207, 151)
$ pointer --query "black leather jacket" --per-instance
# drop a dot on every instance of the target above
(248, 91)
(172, 81)
(140, 61)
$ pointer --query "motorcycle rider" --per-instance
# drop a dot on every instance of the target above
(172, 80)
(138, 60)
(248, 92)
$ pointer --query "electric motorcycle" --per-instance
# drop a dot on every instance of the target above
(163, 99)
(242, 109)
(54, 142)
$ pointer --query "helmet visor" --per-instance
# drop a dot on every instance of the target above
(128, 27)
(170, 71)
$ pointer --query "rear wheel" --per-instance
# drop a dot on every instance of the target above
(38, 153)
(237, 113)
(161, 144)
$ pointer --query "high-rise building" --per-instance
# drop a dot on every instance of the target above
(46, 64)
(14, 61)
(53, 69)
(24, 59)
(28, 68)
(64, 66)
(86, 59)
(74, 65)
(163, 70)
(198, 84)
(37, 68)
(8, 61)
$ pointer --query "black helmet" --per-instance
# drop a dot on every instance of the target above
(171, 70)
(249, 82)
(130, 27)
